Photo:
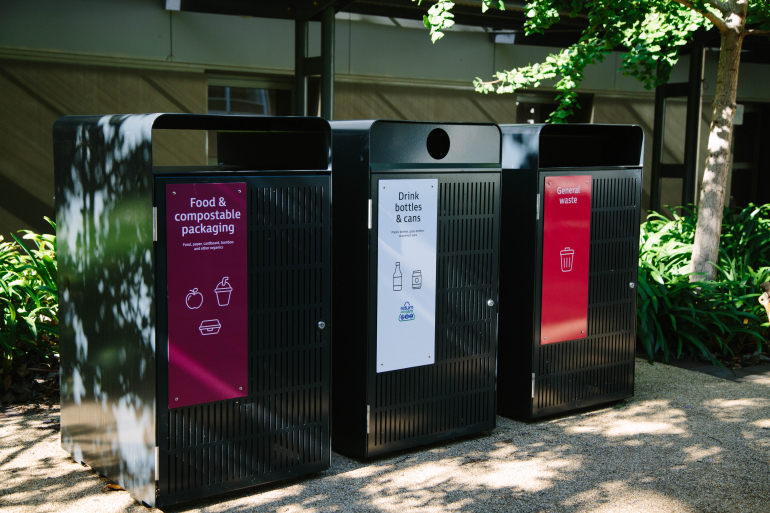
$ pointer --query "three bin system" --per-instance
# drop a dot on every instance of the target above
(571, 207)
(195, 303)
(415, 264)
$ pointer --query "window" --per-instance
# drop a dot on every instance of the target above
(534, 108)
(249, 100)
(245, 96)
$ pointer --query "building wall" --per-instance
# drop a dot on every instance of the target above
(35, 94)
(372, 101)
(125, 56)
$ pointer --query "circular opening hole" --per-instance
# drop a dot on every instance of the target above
(438, 144)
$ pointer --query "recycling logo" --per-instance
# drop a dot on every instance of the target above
(407, 313)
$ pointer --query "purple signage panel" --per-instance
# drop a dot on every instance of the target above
(207, 301)
(566, 244)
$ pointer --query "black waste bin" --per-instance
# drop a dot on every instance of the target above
(415, 282)
(571, 207)
(195, 302)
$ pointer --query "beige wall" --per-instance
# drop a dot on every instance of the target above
(416, 103)
(642, 112)
(635, 112)
(35, 94)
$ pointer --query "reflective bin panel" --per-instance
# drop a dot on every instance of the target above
(193, 362)
(567, 289)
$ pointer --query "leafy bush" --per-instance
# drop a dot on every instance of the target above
(29, 301)
(713, 318)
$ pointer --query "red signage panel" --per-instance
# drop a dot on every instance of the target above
(566, 243)
(207, 300)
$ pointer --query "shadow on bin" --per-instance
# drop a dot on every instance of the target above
(121, 361)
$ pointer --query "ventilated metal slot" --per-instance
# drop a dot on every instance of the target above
(278, 425)
(599, 365)
(458, 390)
(583, 354)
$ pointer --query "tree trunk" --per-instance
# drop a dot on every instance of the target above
(712, 194)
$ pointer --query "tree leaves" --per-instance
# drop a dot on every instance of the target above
(486, 4)
(440, 18)
(650, 33)
(707, 316)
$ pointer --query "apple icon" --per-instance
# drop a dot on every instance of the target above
(194, 299)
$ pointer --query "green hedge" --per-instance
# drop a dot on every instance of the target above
(29, 298)
(712, 318)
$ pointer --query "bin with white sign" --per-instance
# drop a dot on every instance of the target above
(416, 217)
(571, 210)
(195, 301)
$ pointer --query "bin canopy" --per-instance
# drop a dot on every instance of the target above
(396, 143)
(572, 146)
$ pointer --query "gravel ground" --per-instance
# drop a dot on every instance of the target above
(687, 442)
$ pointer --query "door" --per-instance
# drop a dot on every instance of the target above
(452, 393)
(280, 427)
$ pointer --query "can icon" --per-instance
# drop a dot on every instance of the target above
(417, 279)
(567, 257)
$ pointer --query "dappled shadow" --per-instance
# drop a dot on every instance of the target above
(107, 288)
(36, 474)
(686, 442)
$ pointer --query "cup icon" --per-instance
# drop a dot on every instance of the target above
(223, 291)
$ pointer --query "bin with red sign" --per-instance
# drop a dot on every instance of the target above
(195, 326)
(567, 291)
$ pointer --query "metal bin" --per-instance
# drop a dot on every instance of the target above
(195, 303)
(571, 208)
(416, 218)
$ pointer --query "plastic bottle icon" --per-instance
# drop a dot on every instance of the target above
(397, 277)
(223, 290)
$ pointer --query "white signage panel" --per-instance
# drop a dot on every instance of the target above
(407, 228)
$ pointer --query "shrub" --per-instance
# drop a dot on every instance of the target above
(29, 302)
(714, 318)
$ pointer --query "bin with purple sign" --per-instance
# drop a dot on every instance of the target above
(195, 302)
(570, 216)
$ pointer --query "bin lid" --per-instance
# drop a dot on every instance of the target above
(395, 143)
(273, 143)
(572, 146)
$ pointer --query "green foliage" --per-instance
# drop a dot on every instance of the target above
(649, 32)
(439, 18)
(29, 300)
(707, 317)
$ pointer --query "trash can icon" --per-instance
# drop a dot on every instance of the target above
(567, 256)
